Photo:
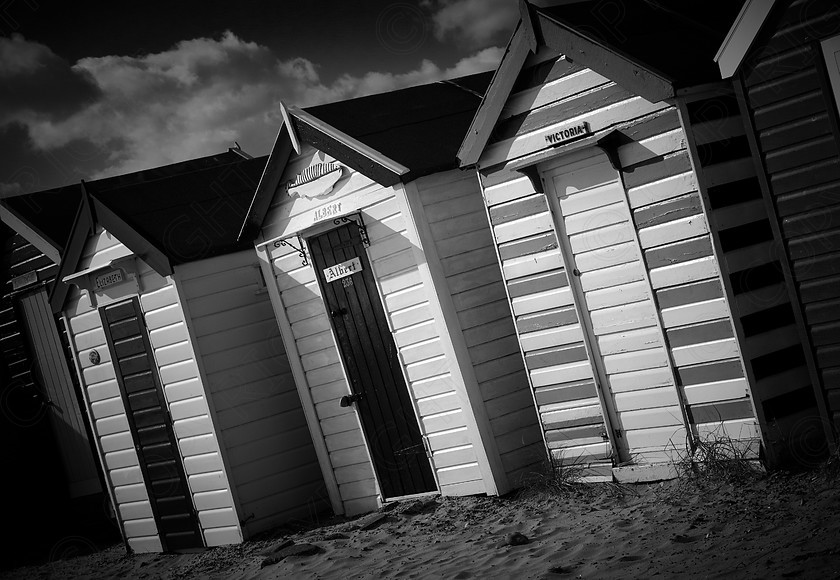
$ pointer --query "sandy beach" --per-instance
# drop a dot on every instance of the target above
(763, 526)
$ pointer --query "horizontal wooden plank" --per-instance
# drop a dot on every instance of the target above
(689, 293)
(521, 228)
(532, 264)
(533, 284)
(617, 295)
(711, 372)
(601, 237)
(700, 333)
(547, 300)
(548, 338)
(544, 320)
(684, 272)
(652, 418)
(673, 231)
(565, 373)
(647, 379)
(718, 412)
(612, 276)
(635, 361)
(694, 313)
(725, 390)
(629, 341)
(663, 189)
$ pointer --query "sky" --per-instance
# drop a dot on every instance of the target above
(94, 89)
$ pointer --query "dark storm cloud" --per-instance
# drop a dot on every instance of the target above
(33, 79)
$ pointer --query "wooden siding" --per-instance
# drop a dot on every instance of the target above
(55, 379)
(554, 94)
(32, 349)
(686, 280)
(454, 209)
(406, 302)
(755, 275)
(549, 332)
(629, 345)
(184, 393)
(682, 321)
(262, 428)
(795, 124)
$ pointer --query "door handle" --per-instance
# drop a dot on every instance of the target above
(348, 400)
(338, 312)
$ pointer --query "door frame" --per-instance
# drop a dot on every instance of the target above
(550, 165)
(320, 229)
(545, 170)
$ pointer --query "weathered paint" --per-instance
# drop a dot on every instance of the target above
(756, 279)
(648, 271)
(618, 302)
(184, 392)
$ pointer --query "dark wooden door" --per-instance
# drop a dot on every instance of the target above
(372, 365)
(151, 425)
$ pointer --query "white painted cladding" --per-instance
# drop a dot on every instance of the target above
(261, 425)
(454, 210)
(683, 292)
(184, 393)
(406, 298)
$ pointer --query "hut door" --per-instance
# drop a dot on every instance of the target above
(370, 359)
(151, 425)
(602, 255)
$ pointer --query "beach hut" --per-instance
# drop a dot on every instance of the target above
(382, 273)
(182, 368)
(780, 62)
(34, 341)
(48, 457)
(623, 310)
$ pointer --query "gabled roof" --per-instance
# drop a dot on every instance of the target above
(184, 217)
(650, 47)
(168, 215)
(46, 212)
(390, 137)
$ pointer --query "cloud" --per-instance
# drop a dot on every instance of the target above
(201, 95)
(34, 80)
(474, 22)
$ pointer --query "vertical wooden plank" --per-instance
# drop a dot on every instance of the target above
(312, 421)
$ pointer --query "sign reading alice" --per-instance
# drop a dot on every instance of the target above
(342, 270)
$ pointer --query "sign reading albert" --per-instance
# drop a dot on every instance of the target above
(342, 270)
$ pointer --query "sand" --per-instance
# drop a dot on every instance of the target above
(771, 526)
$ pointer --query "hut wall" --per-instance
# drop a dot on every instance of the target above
(794, 118)
(406, 298)
(681, 269)
(685, 276)
(262, 428)
(184, 393)
(454, 210)
(34, 352)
